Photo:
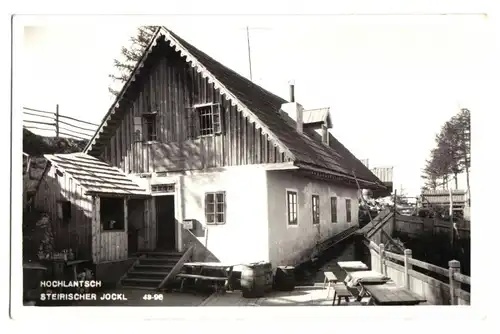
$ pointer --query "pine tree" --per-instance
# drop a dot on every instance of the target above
(130, 56)
(452, 152)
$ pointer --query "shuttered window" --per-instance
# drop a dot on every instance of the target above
(204, 120)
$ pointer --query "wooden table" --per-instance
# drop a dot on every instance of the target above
(73, 264)
(366, 277)
(391, 294)
(360, 279)
(198, 271)
(352, 265)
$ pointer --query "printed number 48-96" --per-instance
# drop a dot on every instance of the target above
(155, 296)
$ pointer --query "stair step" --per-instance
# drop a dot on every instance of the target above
(143, 280)
(147, 273)
(160, 253)
(153, 266)
(159, 260)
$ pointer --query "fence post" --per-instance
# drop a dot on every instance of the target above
(454, 267)
(408, 267)
(57, 121)
(381, 254)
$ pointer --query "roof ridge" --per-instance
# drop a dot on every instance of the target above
(228, 68)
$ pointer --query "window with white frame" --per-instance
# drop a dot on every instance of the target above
(315, 209)
(348, 210)
(292, 207)
(215, 208)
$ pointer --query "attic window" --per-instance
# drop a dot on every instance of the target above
(149, 121)
(209, 119)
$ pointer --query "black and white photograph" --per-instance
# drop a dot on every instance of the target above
(246, 161)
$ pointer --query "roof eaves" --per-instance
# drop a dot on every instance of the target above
(346, 176)
(125, 87)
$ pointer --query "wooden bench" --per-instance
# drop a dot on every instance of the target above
(201, 277)
(330, 279)
(340, 291)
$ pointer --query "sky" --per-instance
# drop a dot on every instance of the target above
(390, 81)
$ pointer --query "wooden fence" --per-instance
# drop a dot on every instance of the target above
(415, 226)
(55, 124)
(400, 268)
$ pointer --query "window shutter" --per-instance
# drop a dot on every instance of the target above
(160, 131)
(191, 123)
(137, 128)
(216, 118)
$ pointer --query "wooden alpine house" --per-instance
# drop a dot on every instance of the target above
(193, 161)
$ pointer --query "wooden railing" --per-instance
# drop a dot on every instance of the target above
(177, 267)
(387, 263)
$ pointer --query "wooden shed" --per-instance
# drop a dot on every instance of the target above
(87, 200)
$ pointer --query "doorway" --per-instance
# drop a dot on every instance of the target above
(135, 225)
(165, 222)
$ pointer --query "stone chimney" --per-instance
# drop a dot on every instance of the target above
(292, 91)
(294, 110)
(325, 138)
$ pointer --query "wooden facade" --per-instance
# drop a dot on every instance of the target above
(82, 230)
(54, 190)
(173, 88)
(108, 245)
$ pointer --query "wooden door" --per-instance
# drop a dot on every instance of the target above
(165, 222)
(135, 224)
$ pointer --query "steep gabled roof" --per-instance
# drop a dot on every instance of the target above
(95, 176)
(262, 108)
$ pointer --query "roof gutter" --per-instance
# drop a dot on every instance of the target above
(124, 89)
(327, 171)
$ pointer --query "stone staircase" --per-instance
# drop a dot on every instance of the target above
(150, 269)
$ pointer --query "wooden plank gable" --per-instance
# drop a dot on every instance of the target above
(177, 88)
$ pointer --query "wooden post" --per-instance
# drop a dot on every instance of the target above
(452, 232)
(57, 121)
(408, 267)
(394, 218)
(381, 254)
(454, 267)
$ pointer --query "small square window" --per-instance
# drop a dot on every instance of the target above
(112, 214)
